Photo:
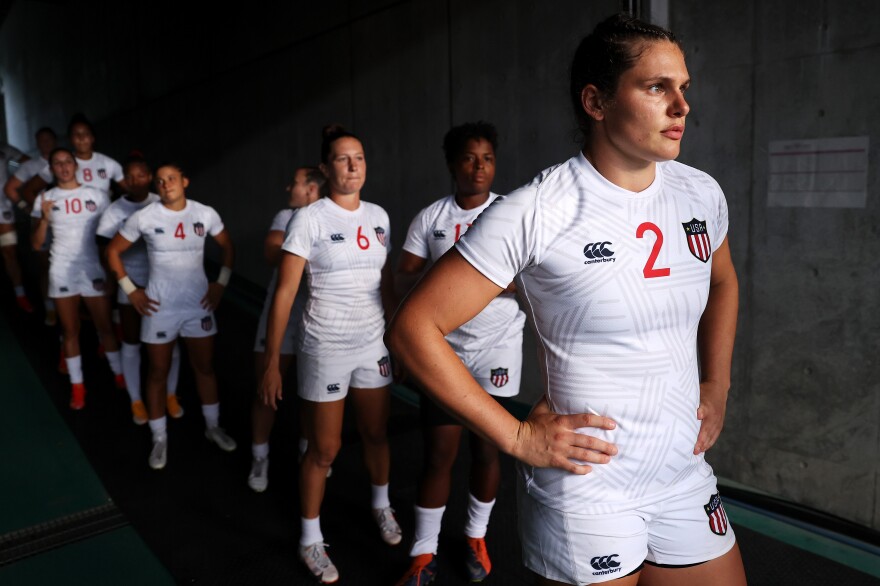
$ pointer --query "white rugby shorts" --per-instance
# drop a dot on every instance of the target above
(499, 369)
(686, 529)
(166, 326)
(67, 279)
(327, 378)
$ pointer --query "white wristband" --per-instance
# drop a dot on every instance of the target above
(126, 285)
(21, 204)
(225, 273)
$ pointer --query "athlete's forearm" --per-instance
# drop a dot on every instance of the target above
(38, 236)
(289, 276)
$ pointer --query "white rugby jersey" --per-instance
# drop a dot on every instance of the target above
(134, 259)
(432, 232)
(74, 219)
(346, 251)
(30, 168)
(615, 283)
(175, 248)
(279, 224)
(98, 172)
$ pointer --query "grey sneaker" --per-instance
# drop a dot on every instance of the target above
(258, 479)
(318, 563)
(159, 454)
(219, 437)
(388, 527)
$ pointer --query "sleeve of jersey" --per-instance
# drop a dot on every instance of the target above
(279, 222)
(46, 174)
(107, 224)
(721, 218)
(131, 229)
(417, 236)
(216, 223)
(501, 242)
(298, 238)
(116, 172)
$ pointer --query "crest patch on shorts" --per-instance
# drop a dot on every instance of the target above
(717, 517)
(499, 377)
(207, 323)
(384, 366)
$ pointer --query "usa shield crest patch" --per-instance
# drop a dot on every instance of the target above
(384, 366)
(199, 229)
(698, 239)
(499, 377)
(90, 205)
(717, 517)
(102, 173)
(207, 323)
(380, 234)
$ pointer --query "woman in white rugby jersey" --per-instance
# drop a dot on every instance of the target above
(490, 345)
(303, 190)
(138, 179)
(621, 257)
(75, 272)
(340, 243)
(178, 300)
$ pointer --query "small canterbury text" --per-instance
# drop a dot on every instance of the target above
(598, 252)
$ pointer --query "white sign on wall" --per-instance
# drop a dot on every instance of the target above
(818, 173)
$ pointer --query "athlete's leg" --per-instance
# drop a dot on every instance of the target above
(201, 358)
(99, 309)
(131, 324)
(371, 410)
(159, 361)
(441, 449)
(325, 440)
(726, 570)
(68, 313)
(485, 469)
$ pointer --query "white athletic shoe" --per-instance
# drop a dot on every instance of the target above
(219, 437)
(258, 479)
(318, 563)
(159, 454)
(388, 527)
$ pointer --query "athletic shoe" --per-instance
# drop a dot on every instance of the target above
(258, 479)
(119, 379)
(62, 363)
(318, 563)
(24, 304)
(478, 563)
(139, 413)
(77, 396)
(159, 454)
(51, 318)
(172, 407)
(219, 437)
(422, 571)
(388, 527)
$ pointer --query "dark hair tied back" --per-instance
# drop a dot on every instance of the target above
(613, 47)
(332, 133)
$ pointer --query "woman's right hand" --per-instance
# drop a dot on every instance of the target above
(46, 208)
(549, 440)
(143, 304)
(270, 389)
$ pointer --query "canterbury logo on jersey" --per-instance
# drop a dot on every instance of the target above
(160, 231)
(439, 234)
(598, 252)
(605, 564)
(337, 238)
(334, 388)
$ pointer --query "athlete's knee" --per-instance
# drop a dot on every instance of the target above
(483, 452)
(324, 451)
(441, 458)
(373, 432)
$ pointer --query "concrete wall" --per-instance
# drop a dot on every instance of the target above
(242, 104)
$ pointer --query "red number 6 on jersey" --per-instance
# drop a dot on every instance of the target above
(363, 241)
(649, 271)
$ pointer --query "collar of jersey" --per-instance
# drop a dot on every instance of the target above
(168, 212)
(341, 210)
(492, 196)
(587, 169)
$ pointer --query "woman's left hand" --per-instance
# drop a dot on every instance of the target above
(211, 300)
(713, 405)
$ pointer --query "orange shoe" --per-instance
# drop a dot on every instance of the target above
(172, 407)
(77, 396)
(24, 304)
(139, 413)
(62, 363)
(119, 379)
(422, 571)
(478, 563)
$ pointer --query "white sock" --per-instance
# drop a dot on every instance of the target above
(131, 369)
(157, 426)
(260, 451)
(311, 531)
(478, 517)
(114, 360)
(380, 496)
(19, 291)
(48, 305)
(174, 370)
(74, 368)
(427, 531)
(211, 413)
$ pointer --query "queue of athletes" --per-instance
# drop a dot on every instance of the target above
(640, 518)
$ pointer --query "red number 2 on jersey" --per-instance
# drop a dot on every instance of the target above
(649, 271)
(179, 233)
